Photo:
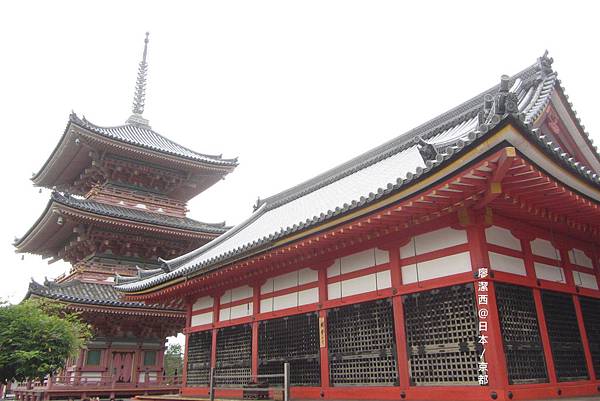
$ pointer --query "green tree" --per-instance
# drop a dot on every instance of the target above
(36, 338)
(173, 360)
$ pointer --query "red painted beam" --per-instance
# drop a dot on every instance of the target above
(505, 161)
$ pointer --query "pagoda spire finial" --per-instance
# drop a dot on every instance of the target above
(139, 96)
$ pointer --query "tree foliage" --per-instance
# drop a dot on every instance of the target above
(36, 338)
(174, 360)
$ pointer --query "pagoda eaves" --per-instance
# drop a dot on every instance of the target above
(88, 154)
(86, 227)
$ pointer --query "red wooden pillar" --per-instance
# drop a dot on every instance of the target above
(568, 268)
(160, 363)
(105, 361)
(188, 324)
(216, 313)
(565, 263)
(324, 343)
(584, 338)
(596, 264)
(136, 367)
(527, 256)
(79, 365)
(398, 308)
(537, 297)
(494, 349)
(255, 312)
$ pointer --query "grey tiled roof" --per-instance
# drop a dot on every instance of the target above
(380, 172)
(139, 215)
(81, 292)
(145, 137)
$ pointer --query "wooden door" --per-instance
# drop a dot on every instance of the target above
(122, 366)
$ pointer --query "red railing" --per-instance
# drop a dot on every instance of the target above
(88, 379)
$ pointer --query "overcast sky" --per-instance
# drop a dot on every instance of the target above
(291, 88)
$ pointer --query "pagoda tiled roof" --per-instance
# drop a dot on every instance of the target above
(88, 293)
(383, 171)
(138, 215)
(83, 142)
(143, 136)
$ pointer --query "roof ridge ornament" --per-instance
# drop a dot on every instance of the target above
(495, 107)
(139, 96)
(545, 63)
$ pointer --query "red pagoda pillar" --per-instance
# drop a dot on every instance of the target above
(137, 365)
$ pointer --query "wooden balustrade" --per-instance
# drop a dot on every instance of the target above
(78, 380)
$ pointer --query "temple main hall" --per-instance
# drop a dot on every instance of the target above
(458, 261)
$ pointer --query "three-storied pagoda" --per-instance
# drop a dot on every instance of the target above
(118, 207)
(457, 261)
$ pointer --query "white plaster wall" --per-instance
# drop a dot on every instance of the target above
(241, 293)
(508, 264)
(285, 301)
(359, 285)
(433, 241)
(334, 290)
(384, 280)
(585, 280)
(502, 237)
(285, 281)
(358, 261)
(306, 276)
(309, 296)
(236, 294)
(542, 247)
(235, 312)
(203, 318)
(289, 280)
(548, 272)
(266, 305)
(442, 267)
(578, 257)
(291, 300)
(203, 303)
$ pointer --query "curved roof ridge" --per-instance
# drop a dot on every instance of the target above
(448, 119)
